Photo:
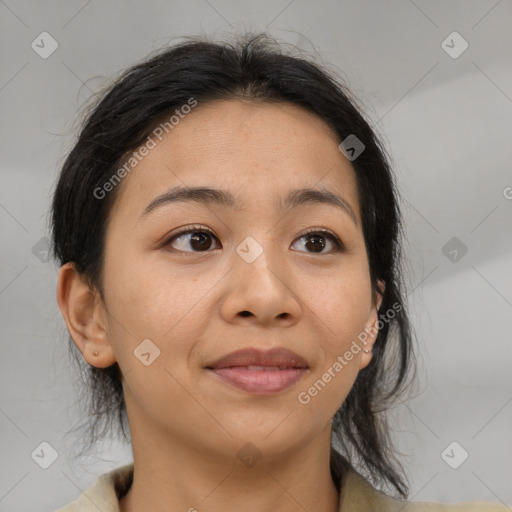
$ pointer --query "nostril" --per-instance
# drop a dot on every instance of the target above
(245, 313)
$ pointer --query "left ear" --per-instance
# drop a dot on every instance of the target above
(371, 328)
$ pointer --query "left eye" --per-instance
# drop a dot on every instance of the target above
(315, 241)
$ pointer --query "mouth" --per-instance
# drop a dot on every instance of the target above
(260, 372)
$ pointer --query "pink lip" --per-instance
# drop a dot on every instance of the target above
(282, 368)
(260, 382)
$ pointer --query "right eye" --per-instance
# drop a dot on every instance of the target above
(197, 239)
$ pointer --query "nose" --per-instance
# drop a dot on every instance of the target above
(262, 292)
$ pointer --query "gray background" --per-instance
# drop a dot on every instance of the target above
(447, 123)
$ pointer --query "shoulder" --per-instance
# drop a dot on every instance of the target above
(358, 495)
(104, 493)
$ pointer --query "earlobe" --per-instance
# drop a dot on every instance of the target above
(371, 328)
(85, 317)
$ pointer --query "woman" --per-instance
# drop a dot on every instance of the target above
(229, 238)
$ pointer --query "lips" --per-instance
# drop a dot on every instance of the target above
(260, 372)
(281, 358)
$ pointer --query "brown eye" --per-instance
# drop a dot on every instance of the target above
(192, 240)
(315, 241)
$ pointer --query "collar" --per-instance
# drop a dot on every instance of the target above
(356, 495)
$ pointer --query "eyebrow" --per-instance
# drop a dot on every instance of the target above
(208, 195)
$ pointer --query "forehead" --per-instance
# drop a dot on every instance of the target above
(255, 149)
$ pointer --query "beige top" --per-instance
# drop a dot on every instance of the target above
(357, 495)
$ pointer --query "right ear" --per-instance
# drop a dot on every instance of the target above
(85, 316)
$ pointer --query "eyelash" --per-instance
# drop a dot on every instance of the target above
(201, 229)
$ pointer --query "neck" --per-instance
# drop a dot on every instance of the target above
(174, 477)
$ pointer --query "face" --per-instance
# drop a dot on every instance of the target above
(200, 279)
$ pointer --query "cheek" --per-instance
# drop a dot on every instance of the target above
(340, 311)
(342, 302)
(149, 301)
(324, 392)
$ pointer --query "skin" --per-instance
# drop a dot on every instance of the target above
(187, 426)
